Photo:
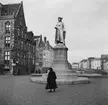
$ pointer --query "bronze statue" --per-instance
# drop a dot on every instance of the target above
(60, 32)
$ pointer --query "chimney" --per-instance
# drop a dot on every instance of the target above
(45, 39)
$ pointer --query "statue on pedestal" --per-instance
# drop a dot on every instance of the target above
(60, 33)
(60, 63)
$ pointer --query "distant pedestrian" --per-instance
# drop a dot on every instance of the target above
(18, 71)
(51, 80)
(39, 71)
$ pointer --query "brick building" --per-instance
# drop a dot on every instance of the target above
(40, 46)
(48, 55)
(44, 54)
(14, 39)
(30, 43)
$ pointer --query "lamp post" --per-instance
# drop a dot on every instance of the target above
(11, 67)
(17, 67)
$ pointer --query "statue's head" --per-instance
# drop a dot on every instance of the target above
(60, 18)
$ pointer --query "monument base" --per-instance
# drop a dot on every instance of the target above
(61, 68)
(60, 64)
(64, 81)
(60, 58)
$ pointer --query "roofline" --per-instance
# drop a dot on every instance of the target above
(18, 9)
(11, 3)
(1, 4)
(29, 31)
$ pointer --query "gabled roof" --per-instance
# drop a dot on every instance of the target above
(97, 59)
(35, 37)
(40, 43)
(1, 5)
(10, 9)
(91, 58)
(75, 63)
(30, 34)
(84, 60)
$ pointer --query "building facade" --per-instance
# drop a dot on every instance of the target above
(104, 59)
(96, 64)
(89, 60)
(40, 46)
(80, 64)
(105, 65)
(30, 43)
(44, 54)
(13, 38)
(75, 65)
(85, 64)
(48, 54)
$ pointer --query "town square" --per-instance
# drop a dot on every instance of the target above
(53, 52)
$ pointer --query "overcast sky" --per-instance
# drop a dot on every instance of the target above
(86, 23)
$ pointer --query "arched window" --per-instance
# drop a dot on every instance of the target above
(7, 27)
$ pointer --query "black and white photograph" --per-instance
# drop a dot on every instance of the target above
(53, 52)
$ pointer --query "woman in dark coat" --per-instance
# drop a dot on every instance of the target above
(51, 80)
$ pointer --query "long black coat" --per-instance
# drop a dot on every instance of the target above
(51, 80)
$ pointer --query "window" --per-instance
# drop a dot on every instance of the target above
(7, 57)
(24, 59)
(25, 36)
(7, 27)
(18, 32)
(22, 44)
(22, 34)
(1, 37)
(18, 54)
(33, 62)
(26, 45)
(33, 48)
(7, 41)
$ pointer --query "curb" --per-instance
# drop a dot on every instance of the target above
(63, 82)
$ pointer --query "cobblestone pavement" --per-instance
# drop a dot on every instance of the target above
(18, 90)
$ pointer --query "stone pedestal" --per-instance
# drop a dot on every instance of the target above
(60, 63)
